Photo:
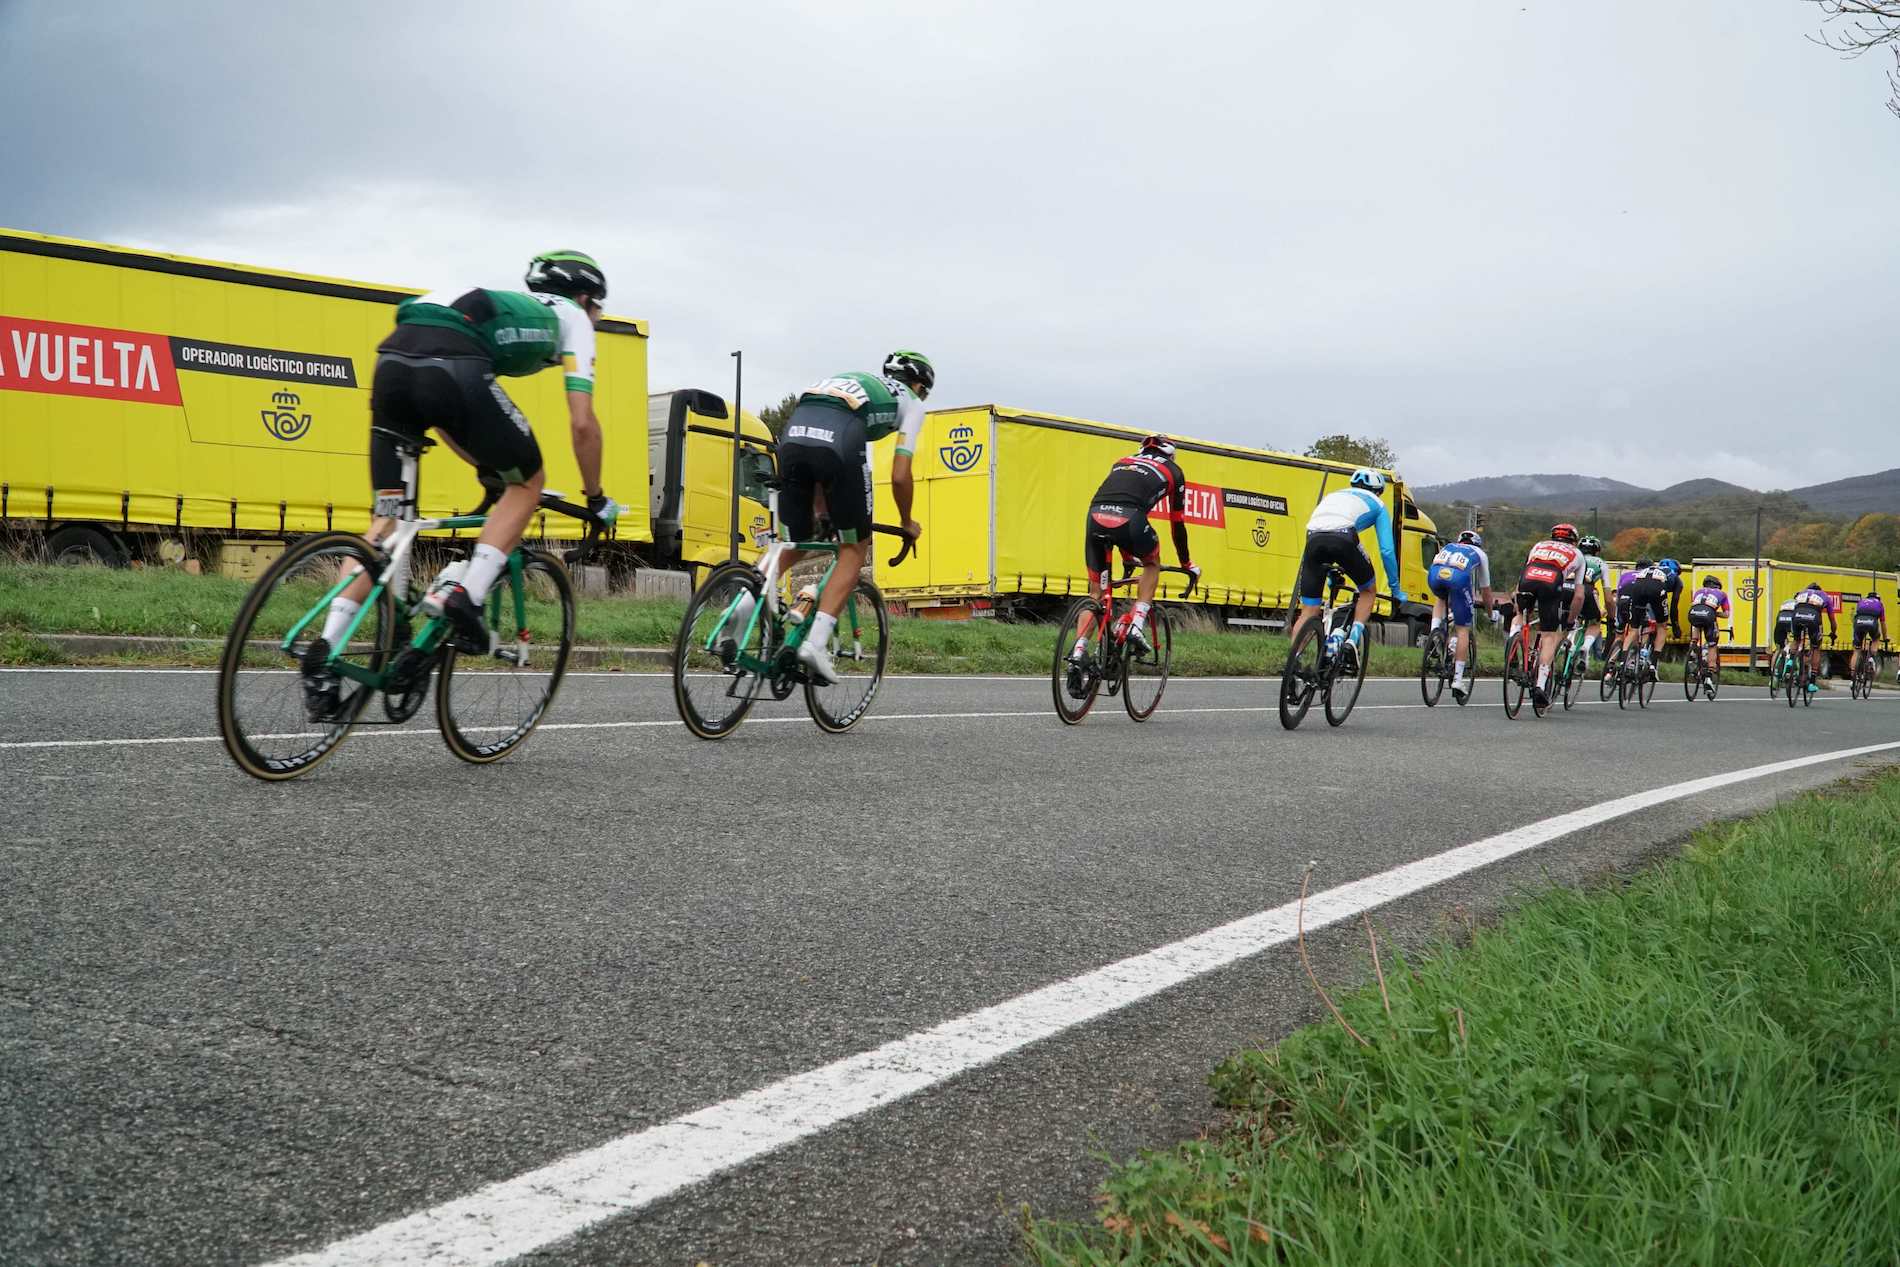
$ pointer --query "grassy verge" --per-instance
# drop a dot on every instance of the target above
(163, 603)
(1715, 1078)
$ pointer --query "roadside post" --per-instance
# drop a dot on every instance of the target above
(738, 440)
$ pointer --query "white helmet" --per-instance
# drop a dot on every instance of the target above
(1370, 480)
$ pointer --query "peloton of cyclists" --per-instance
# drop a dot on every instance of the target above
(1332, 539)
(1456, 571)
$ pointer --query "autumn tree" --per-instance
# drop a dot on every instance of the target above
(1356, 450)
(1857, 27)
(1874, 541)
(1637, 543)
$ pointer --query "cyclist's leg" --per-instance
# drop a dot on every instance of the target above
(848, 497)
(469, 406)
(1097, 552)
(1457, 605)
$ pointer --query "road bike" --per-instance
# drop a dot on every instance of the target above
(1801, 668)
(737, 641)
(1702, 668)
(1780, 669)
(1866, 673)
(1435, 665)
(1636, 680)
(1520, 670)
(1109, 662)
(486, 702)
(1612, 671)
(1314, 668)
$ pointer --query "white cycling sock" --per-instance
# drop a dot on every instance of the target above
(1543, 676)
(482, 571)
(342, 611)
(1457, 672)
(821, 626)
(1438, 622)
(1141, 615)
(1081, 646)
(1589, 644)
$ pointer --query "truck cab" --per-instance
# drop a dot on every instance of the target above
(689, 479)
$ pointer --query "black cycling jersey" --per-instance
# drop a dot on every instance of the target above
(1142, 480)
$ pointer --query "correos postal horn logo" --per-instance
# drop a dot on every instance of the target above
(963, 452)
(281, 418)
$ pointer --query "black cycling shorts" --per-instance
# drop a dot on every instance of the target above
(805, 467)
(1323, 551)
(1109, 527)
(1646, 602)
(457, 395)
(1866, 627)
(1808, 622)
(1549, 598)
(1622, 609)
(1783, 625)
(1592, 610)
(1703, 618)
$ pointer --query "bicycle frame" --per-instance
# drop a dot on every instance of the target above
(769, 569)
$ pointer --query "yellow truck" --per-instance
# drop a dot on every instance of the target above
(1755, 602)
(159, 406)
(1001, 493)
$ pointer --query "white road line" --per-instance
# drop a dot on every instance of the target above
(517, 1216)
(388, 732)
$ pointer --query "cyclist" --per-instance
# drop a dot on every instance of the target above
(1706, 606)
(1595, 594)
(438, 368)
(1456, 571)
(1644, 586)
(824, 449)
(1118, 519)
(1672, 590)
(1332, 539)
(1870, 627)
(1552, 572)
(1809, 606)
(1784, 624)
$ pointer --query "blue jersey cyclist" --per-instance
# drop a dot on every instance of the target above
(1456, 571)
(1332, 540)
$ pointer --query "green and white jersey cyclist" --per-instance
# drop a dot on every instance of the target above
(440, 369)
(824, 460)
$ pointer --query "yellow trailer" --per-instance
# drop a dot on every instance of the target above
(154, 403)
(1756, 596)
(1001, 495)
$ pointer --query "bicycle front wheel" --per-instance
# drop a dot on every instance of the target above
(1300, 679)
(711, 688)
(1432, 667)
(264, 715)
(1342, 691)
(859, 644)
(1075, 684)
(1516, 675)
(487, 705)
(1145, 677)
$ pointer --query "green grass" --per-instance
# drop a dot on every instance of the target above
(167, 603)
(1701, 1066)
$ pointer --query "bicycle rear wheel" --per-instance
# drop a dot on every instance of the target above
(859, 643)
(1612, 670)
(1145, 677)
(1300, 679)
(262, 714)
(1646, 679)
(1691, 675)
(1075, 687)
(1574, 669)
(487, 705)
(1342, 690)
(1797, 677)
(1516, 674)
(1432, 667)
(712, 691)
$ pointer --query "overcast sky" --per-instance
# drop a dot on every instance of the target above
(1646, 240)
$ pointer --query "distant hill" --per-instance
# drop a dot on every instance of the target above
(1860, 495)
(1519, 490)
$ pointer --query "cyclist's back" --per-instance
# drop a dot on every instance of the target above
(826, 444)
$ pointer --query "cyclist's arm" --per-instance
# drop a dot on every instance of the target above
(584, 429)
(1177, 505)
(910, 425)
(577, 375)
(1388, 555)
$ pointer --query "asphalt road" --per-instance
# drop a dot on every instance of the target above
(241, 1021)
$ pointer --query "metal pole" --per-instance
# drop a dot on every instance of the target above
(1593, 521)
(738, 439)
(1754, 609)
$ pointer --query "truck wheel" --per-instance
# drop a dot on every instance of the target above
(82, 543)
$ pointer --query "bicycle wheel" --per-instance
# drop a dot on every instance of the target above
(1691, 675)
(1774, 676)
(261, 710)
(1342, 690)
(488, 704)
(1075, 696)
(1145, 677)
(1300, 679)
(1807, 676)
(1432, 666)
(1626, 677)
(1612, 669)
(1797, 677)
(1573, 675)
(1646, 679)
(1516, 675)
(859, 643)
(711, 689)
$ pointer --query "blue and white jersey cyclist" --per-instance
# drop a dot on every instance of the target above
(1332, 540)
(1457, 571)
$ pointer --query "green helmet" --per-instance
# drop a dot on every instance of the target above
(567, 273)
(912, 367)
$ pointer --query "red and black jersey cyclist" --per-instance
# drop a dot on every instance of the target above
(1118, 519)
(1552, 589)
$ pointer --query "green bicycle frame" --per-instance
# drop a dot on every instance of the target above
(792, 641)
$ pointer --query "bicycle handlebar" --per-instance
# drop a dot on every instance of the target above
(910, 542)
(1179, 571)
